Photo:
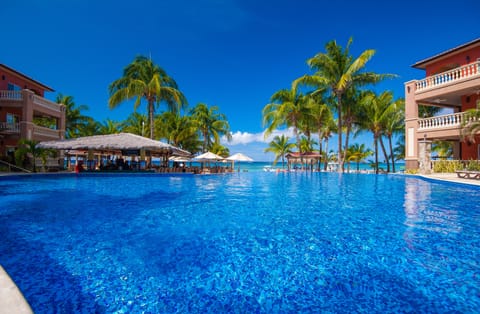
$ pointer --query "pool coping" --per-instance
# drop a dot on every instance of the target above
(11, 298)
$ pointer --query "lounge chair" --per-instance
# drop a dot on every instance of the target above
(465, 174)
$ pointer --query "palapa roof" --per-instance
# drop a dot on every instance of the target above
(305, 156)
(115, 142)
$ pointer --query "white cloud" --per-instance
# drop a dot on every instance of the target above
(245, 138)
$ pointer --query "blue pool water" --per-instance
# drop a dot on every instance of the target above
(248, 242)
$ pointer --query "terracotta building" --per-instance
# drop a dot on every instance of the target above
(25, 113)
(452, 81)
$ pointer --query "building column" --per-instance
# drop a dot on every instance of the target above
(425, 153)
(411, 126)
(26, 124)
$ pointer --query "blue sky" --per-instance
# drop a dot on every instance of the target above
(233, 53)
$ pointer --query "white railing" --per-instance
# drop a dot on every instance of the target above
(10, 127)
(40, 101)
(452, 76)
(11, 95)
(445, 121)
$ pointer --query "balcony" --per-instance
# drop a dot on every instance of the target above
(11, 95)
(457, 75)
(9, 128)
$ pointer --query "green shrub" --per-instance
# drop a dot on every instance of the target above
(446, 166)
(473, 165)
(411, 171)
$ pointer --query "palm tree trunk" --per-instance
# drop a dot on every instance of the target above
(326, 155)
(151, 109)
(391, 152)
(384, 153)
(320, 150)
(375, 145)
(347, 136)
(340, 155)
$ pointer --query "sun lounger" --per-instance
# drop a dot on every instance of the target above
(468, 174)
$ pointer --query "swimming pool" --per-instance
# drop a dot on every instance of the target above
(248, 242)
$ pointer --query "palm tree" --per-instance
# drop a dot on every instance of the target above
(109, 127)
(338, 70)
(28, 148)
(136, 123)
(394, 124)
(142, 79)
(358, 153)
(75, 120)
(211, 124)
(471, 124)
(280, 147)
(220, 150)
(177, 130)
(287, 108)
(376, 109)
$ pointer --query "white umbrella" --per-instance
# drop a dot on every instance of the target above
(208, 156)
(238, 157)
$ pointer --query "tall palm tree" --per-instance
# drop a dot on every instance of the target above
(143, 79)
(75, 120)
(176, 129)
(136, 123)
(28, 148)
(376, 110)
(358, 153)
(288, 108)
(211, 124)
(109, 127)
(338, 70)
(394, 124)
(220, 150)
(280, 147)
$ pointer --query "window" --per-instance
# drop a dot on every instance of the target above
(12, 118)
(13, 87)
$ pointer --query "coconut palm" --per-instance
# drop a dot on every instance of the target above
(211, 124)
(28, 149)
(280, 147)
(178, 130)
(220, 150)
(287, 108)
(338, 70)
(394, 124)
(358, 153)
(143, 79)
(109, 127)
(376, 109)
(471, 124)
(136, 123)
(75, 120)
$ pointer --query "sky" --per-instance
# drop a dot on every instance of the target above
(234, 54)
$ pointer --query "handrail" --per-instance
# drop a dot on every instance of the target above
(454, 75)
(443, 121)
(10, 166)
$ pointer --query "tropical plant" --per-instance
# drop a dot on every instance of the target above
(287, 108)
(143, 79)
(358, 153)
(471, 124)
(76, 122)
(280, 147)
(178, 130)
(444, 149)
(136, 123)
(338, 70)
(220, 150)
(211, 124)
(109, 127)
(394, 124)
(376, 109)
(27, 149)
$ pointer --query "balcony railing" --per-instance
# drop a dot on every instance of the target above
(443, 122)
(11, 95)
(46, 132)
(448, 77)
(9, 127)
(40, 101)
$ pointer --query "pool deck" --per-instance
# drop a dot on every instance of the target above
(13, 301)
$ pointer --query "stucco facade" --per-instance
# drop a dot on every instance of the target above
(22, 103)
(453, 82)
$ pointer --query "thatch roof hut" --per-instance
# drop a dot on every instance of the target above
(123, 143)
